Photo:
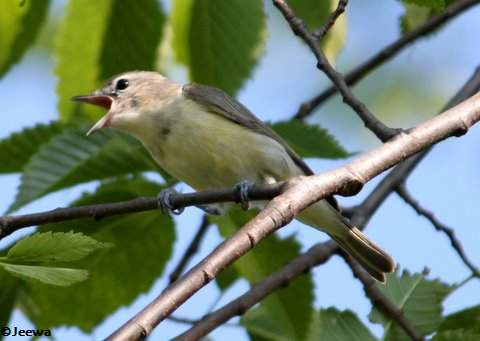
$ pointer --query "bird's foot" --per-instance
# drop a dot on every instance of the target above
(164, 202)
(242, 189)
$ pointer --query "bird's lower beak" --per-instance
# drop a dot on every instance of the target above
(100, 100)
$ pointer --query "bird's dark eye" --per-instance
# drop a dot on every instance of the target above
(122, 84)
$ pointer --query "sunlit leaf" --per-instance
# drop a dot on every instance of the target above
(457, 335)
(98, 39)
(53, 247)
(220, 41)
(45, 274)
(464, 319)
(19, 26)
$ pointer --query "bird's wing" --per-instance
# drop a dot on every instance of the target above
(222, 104)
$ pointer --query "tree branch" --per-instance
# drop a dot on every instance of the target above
(319, 253)
(300, 193)
(379, 300)
(383, 132)
(409, 199)
(352, 77)
(322, 31)
(10, 224)
(191, 250)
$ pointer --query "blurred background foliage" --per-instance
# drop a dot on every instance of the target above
(215, 42)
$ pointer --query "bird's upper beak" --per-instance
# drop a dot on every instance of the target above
(100, 100)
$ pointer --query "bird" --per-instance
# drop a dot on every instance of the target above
(207, 139)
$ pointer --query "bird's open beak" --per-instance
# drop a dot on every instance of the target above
(100, 100)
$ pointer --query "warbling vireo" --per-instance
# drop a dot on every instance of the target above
(203, 137)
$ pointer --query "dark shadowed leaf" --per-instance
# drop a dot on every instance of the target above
(220, 41)
(433, 4)
(19, 26)
(71, 158)
(98, 39)
(419, 299)
(142, 244)
(457, 335)
(9, 286)
(287, 311)
(18, 148)
(464, 319)
(310, 140)
(332, 325)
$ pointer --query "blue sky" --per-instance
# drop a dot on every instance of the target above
(445, 182)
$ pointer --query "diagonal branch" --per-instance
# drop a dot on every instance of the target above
(322, 31)
(383, 132)
(191, 250)
(388, 52)
(379, 300)
(300, 193)
(319, 253)
(409, 199)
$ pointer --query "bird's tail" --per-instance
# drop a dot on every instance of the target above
(372, 258)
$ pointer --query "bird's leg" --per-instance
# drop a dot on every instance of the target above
(242, 189)
(164, 202)
(210, 209)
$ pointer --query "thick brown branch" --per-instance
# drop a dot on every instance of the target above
(322, 31)
(388, 52)
(191, 250)
(409, 199)
(10, 224)
(300, 193)
(383, 132)
(380, 301)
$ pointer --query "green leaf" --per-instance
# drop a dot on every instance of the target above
(310, 140)
(226, 278)
(457, 335)
(143, 243)
(98, 39)
(47, 275)
(8, 292)
(465, 319)
(419, 299)
(331, 325)
(72, 158)
(18, 148)
(19, 26)
(53, 247)
(220, 41)
(287, 312)
(314, 14)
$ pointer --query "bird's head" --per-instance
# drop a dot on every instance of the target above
(129, 98)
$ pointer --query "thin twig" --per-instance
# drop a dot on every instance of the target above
(322, 31)
(299, 194)
(388, 52)
(439, 226)
(383, 132)
(379, 300)
(10, 224)
(191, 250)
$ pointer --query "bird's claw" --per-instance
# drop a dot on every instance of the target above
(164, 202)
(243, 188)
